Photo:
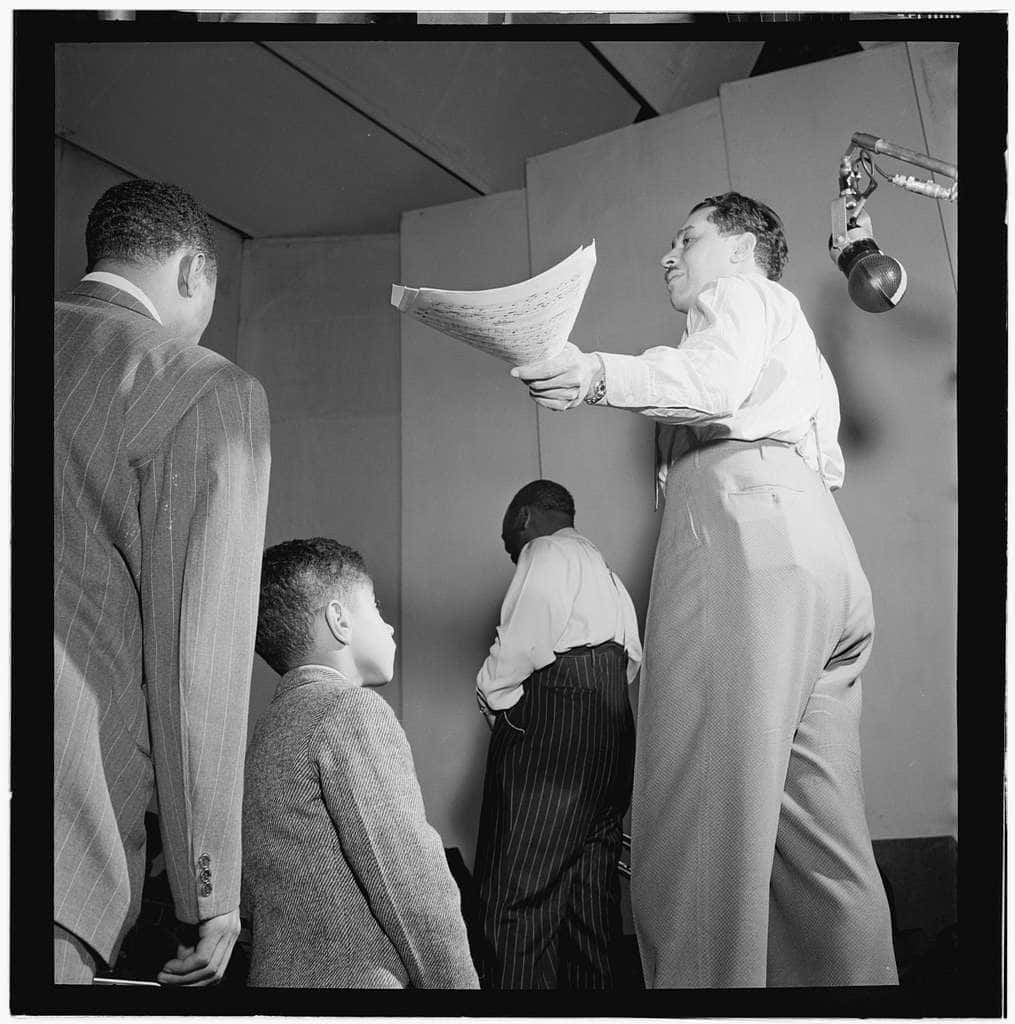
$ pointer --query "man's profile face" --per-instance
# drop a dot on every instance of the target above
(514, 534)
(699, 255)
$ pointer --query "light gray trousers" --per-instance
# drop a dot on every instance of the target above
(751, 857)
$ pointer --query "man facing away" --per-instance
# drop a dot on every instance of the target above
(347, 884)
(161, 469)
(559, 768)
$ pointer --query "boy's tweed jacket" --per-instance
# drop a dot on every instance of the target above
(346, 883)
(160, 491)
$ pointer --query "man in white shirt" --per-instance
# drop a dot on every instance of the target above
(558, 773)
(751, 856)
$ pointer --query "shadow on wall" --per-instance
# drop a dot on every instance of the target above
(465, 799)
(920, 324)
(859, 429)
(922, 321)
(449, 742)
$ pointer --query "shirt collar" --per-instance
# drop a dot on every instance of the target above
(303, 674)
(564, 531)
(116, 281)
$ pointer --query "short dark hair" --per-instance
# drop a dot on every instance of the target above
(734, 213)
(298, 577)
(544, 494)
(142, 221)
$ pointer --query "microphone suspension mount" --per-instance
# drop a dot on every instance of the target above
(876, 282)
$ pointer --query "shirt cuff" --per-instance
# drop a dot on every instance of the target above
(504, 699)
(622, 373)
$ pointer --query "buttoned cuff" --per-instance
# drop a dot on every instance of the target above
(204, 884)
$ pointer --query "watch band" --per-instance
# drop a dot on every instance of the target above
(597, 392)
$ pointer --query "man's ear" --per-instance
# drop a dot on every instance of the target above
(191, 273)
(337, 617)
(744, 247)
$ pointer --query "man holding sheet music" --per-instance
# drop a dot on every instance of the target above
(751, 857)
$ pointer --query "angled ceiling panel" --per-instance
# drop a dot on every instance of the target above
(478, 108)
(263, 148)
(672, 75)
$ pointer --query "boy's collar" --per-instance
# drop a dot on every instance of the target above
(303, 674)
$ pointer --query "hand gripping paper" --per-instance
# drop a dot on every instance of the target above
(520, 323)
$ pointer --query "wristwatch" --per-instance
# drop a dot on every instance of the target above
(598, 390)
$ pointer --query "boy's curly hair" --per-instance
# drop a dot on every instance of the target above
(299, 577)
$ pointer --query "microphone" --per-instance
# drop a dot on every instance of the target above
(876, 282)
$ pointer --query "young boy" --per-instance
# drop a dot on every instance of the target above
(346, 882)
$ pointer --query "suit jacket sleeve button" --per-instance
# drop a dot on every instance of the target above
(203, 861)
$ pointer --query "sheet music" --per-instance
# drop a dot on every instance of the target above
(520, 323)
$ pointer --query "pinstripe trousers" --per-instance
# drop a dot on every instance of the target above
(751, 858)
(558, 782)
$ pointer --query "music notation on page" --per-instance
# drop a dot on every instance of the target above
(520, 323)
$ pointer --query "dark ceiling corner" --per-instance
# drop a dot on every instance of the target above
(779, 54)
(645, 109)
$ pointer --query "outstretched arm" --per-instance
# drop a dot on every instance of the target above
(707, 378)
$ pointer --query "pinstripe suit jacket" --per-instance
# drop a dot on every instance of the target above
(346, 882)
(160, 492)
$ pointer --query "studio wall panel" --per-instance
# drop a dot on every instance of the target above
(468, 443)
(319, 333)
(630, 190)
(785, 135)
(81, 178)
(936, 78)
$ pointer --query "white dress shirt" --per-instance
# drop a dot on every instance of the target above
(125, 286)
(563, 595)
(747, 367)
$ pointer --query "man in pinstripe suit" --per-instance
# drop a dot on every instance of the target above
(559, 768)
(160, 492)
